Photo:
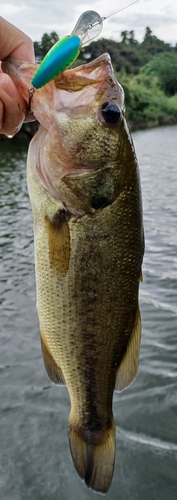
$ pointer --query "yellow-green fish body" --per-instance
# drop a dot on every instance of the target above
(84, 188)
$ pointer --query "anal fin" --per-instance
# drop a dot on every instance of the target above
(53, 370)
(128, 367)
(141, 276)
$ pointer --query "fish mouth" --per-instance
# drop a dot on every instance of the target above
(87, 74)
(92, 81)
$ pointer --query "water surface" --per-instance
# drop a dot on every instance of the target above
(35, 461)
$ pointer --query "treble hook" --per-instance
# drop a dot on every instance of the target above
(28, 110)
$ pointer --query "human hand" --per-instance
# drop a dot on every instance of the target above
(13, 43)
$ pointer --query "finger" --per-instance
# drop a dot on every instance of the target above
(1, 114)
(11, 116)
(15, 43)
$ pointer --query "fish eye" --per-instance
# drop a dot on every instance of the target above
(110, 112)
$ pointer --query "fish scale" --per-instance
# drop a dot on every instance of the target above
(89, 245)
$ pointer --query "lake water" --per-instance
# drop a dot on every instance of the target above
(35, 461)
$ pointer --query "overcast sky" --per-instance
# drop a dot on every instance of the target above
(36, 17)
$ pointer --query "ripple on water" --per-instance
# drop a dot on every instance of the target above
(35, 460)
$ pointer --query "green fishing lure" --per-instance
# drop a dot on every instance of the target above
(66, 50)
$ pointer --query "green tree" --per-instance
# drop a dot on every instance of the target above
(131, 38)
(146, 104)
(148, 34)
(152, 45)
(124, 36)
(47, 41)
(123, 56)
(164, 68)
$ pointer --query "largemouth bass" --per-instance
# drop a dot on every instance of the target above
(84, 187)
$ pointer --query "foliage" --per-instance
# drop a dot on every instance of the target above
(128, 54)
(164, 67)
(151, 45)
(41, 48)
(146, 70)
(146, 104)
(123, 55)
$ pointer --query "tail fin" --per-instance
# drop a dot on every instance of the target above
(93, 455)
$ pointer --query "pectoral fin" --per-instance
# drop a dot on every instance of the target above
(59, 241)
(129, 364)
(53, 370)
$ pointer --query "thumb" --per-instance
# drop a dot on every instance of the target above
(11, 106)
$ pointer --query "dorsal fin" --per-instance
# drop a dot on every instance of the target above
(58, 235)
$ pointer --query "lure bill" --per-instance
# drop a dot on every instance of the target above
(66, 50)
